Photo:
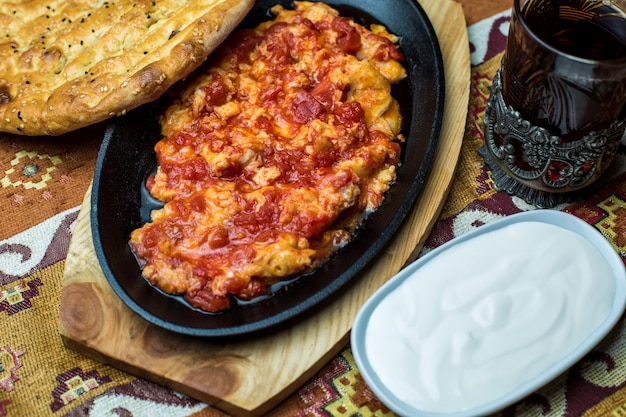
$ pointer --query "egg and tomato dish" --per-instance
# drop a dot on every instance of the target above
(272, 156)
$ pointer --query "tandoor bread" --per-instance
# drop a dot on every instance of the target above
(68, 64)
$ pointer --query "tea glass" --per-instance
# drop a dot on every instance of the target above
(557, 111)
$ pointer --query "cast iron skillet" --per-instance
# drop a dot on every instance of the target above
(120, 202)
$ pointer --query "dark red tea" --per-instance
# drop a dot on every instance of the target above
(584, 28)
(569, 96)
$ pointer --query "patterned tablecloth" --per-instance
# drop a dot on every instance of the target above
(42, 183)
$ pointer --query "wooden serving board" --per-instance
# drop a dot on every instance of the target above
(249, 377)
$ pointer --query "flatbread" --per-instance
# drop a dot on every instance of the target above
(69, 64)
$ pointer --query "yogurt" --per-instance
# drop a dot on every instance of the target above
(487, 315)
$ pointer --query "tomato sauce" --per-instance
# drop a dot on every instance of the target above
(272, 156)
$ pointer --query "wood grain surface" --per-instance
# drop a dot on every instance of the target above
(249, 377)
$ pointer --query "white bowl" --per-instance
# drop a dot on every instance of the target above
(397, 376)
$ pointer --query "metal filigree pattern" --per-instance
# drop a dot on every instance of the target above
(532, 156)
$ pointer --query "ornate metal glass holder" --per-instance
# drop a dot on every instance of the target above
(529, 162)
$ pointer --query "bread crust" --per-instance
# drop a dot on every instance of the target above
(69, 64)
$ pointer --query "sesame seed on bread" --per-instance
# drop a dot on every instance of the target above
(69, 64)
